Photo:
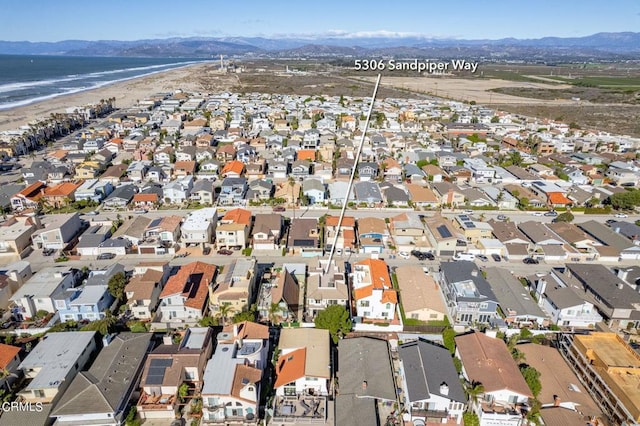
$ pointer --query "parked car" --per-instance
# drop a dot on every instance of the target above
(530, 261)
(404, 255)
(496, 257)
(537, 214)
(465, 256)
(7, 324)
(621, 215)
(92, 213)
(48, 252)
(482, 257)
(225, 252)
(502, 217)
(106, 256)
(610, 221)
(468, 211)
(338, 252)
(206, 251)
(551, 213)
(279, 209)
(418, 254)
(430, 256)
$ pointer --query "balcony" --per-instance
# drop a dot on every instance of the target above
(156, 402)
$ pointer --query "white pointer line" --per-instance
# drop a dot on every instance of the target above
(353, 174)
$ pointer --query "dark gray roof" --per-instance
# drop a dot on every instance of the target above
(462, 270)
(599, 280)
(393, 193)
(412, 169)
(563, 297)
(365, 360)
(354, 411)
(125, 192)
(202, 185)
(605, 235)
(426, 367)
(510, 293)
(367, 191)
(232, 181)
(7, 191)
(107, 385)
(628, 229)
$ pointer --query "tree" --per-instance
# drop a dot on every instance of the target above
(524, 203)
(625, 200)
(224, 311)
(183, 391)
(448, 338)
(103, 326)
(334, 318)
(292, 183)
(116, 285)
(275, 314)
(495, 119)
(532, 377)
(564, 217)
(241, 316)
(474, 390)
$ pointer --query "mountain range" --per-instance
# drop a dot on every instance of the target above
(613, 46)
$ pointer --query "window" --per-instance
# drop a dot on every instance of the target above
(388, 306)
(38, 393)
(364, 303)
(415, 316)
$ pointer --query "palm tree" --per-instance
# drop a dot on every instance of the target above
(224, 311)
(474, 390)
(275, 313)
(5, 374)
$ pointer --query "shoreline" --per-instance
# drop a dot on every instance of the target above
(126, 93)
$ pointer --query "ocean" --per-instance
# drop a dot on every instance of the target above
(28, 79)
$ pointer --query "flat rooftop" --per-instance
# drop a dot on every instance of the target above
(618, 365)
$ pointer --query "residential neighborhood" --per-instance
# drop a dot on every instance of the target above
(211, 262)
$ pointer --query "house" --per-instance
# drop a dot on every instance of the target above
(623, 173)
(178, 191)
(233, 229)
(233, 169)
(338, 192)
(184, 298)
(233, 191)
(102, 392)
(373, 293)
(431, 384)
(344, 236)
(37, 293)
(301, 169)
(133, 229)
(448, 193)
(143, 290)
(9, 362)
(408, 232)
(468, 294)
(165, 229)
(372, 234)
(472, 230)
(616, 301)
(260, 190)
(87, 170)
(616, 245)
(303, 366)
(518, 308)
(487, 361)
(267, 231)
(367, 170)
(93, 190)
(367, 193)
(60, 195)
(170, 365)
(15, 238)
(58, 232)
(366, 380)
(344, 166)
(278, 169)
(609, 369)
(420, 294)
(304, 237)
(90, 240)
(54, 362)
(91, 300)
(560, 296)
(324, 290)
(120, 197)
(443, 237)
(422, 196)
(314, 190)
(137, 170)
(237, 288)
(145, 201)
(232, 378)
(283, 291)
(198, 227)
(29, 197)
(395, 195)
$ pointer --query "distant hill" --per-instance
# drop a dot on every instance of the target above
(624, 45)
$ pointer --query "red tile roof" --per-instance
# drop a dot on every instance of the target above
(233, 167)
(290, 367)
(7, 353)
(558, 198)
(192, 281)
(347, 221)
(240, 216)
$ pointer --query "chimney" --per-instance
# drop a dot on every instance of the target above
(620, 286)
(444, 389)
(235, 330)
(617, 230)
(556, 401)
(623, 273)
(106, 340)
(474, 273)
(167, 340)
(364, 384)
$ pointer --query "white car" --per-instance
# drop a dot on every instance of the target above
(537, 214)
(404, 255)
(467, 211)
(621, 215)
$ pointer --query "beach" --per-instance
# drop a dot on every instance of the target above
(192, 78)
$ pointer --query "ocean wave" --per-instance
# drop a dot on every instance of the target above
(95, 85)
(12, 87)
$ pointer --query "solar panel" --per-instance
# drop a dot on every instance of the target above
(161, 363)
(154, 380)
(464, 217)
(155, 222)
(444, 231)
(469, 224)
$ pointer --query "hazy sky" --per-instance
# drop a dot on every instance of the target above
(54, 20)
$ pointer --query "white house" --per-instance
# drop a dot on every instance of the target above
(198, 227)
(372, 290)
